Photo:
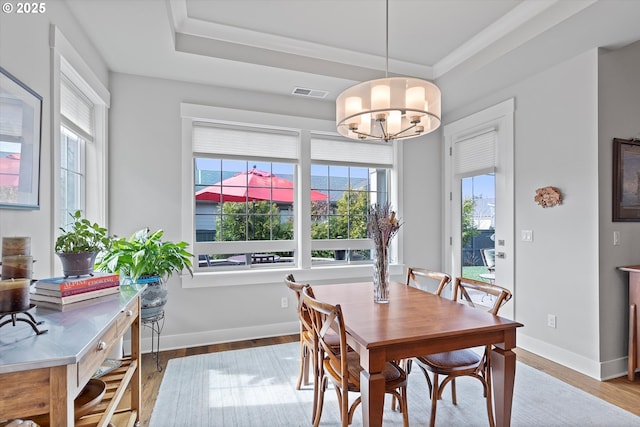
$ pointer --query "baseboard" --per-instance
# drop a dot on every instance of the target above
(559, 355)
(172, 342)
(614, 368)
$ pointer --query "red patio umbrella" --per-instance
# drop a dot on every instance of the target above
(253, 185)
(10, 170)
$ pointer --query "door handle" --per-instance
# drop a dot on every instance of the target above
(501, 255)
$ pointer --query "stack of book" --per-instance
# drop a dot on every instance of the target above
(60, 292)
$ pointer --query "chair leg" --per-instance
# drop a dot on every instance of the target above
(426, 377)
(321, 385)
(487, 378)
(405, 364)
(434, 400)
(404, 406)
(306, 366)
(453, 392)
(303, 350)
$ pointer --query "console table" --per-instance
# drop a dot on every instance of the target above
(42, 374)
(634, 320)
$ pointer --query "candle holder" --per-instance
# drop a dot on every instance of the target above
(14, 317)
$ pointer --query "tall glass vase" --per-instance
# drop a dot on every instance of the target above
(381, 274)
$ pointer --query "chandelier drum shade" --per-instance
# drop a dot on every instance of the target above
(388, 109)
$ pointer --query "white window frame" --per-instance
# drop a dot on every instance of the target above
(65, 59)
(303, 270)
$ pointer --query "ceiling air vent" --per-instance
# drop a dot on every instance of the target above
(312, 93)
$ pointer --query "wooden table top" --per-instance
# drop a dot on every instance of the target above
(411, 315)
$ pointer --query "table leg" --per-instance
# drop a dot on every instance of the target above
(372, 392)
(633, 342)
(503, 372)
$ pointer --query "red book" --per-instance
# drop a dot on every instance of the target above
(82, 283)
(37, 297)
(74, 291)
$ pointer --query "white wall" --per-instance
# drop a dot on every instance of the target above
(422, 196)
(557, 273)
(25, 53)
(618, 117)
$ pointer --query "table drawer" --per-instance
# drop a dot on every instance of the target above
(98, 349)
(126, 317)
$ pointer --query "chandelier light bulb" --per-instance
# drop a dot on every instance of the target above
(388, 109)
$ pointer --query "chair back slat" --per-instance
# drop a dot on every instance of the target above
(303, 313)
(463, 286)
(414, 274)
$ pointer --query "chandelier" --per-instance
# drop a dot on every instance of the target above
(388, 109)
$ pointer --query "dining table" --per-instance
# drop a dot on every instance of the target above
(415, 323)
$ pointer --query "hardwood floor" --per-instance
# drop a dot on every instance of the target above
(619, 391)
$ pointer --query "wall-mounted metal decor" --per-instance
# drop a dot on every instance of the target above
(20, 134)
(626, 180)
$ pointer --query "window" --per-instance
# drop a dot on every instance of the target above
(79, 133)
(72, 179)
(265, 192)
(243, 201)
(354, 175)
(343, 215)
(76, 130)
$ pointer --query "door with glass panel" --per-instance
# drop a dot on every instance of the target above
(479, 220)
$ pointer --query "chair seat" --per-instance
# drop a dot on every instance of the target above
(331, 338)
(452, 360)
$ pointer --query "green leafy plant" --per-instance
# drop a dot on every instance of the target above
(82, 236)
(145, 254)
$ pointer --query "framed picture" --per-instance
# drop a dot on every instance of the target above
(20, 134)
(626, 180)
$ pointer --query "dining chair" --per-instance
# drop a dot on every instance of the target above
(306, 334)
(342, 366)
(426, 280)
(465, 362)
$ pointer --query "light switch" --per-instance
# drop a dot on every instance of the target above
(526, 235)
(616, 238)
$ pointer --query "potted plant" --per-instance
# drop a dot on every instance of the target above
(145, 258)
(79, 244)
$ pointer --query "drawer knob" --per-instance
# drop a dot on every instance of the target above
(102, 346)
(129, 313)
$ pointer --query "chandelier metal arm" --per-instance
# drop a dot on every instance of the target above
(386, 109)
(385, 135)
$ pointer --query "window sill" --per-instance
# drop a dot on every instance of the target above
(341, 273)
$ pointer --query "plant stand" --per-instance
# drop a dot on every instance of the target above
(155, 323)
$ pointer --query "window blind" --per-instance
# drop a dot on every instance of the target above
(336, 149)
(222, 139)
(76, 109)
(476, 153)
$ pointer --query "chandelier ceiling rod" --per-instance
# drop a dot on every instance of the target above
(388, 109)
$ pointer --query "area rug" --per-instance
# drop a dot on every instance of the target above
(256, 387)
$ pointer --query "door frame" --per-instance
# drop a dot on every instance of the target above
(500, 118)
